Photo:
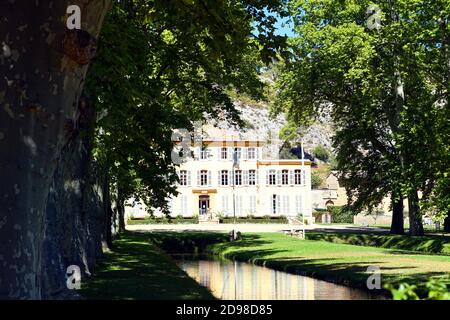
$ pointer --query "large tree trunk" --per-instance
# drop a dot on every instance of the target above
(397, 225)
(42, 66)
(75, 209)
(120, 210)
(415, 216)
(447, 222)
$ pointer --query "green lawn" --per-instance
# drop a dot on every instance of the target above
(136, 269)
(338, 262)
(342, 263)
(429, 244)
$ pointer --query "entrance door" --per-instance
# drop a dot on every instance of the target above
(203, 205)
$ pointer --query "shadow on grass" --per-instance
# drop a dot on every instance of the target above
(136, 269)
(428, 244)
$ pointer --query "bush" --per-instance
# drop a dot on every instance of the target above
(316, 180)
(341, 214)
(321, 153)
(435, 289)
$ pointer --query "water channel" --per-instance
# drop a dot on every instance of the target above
(232, 280)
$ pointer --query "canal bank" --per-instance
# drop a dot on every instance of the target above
(338, 263)
(138, 268)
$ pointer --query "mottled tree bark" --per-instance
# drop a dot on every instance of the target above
(120, 210)
(447, 222)
(415, 216)
(397, 225)
(75, 209)
(42, 68)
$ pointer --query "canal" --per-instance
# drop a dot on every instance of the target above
(233, 280)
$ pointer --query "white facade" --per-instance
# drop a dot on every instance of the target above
(211, 183)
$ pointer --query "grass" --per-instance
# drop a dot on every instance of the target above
(164, 220)
(255, 220)
(428, 244)
(137, 269)
(427, 228)
(194, 220)
(341, 263)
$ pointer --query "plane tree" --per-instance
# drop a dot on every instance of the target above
(374, 65)
(160, 65)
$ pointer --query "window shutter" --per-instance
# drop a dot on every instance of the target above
(188, 178)
(257, 177)
(244, 153)
(241, 211)
(209, 178)
(291, 177)
(230, 154)
(181, 204)
(278, 203)
(267, 177)
(219, 153)
(298, 204)
(219, 177)
(278, 177)
(257, 153)
(286, 204)
(304, 177)
(226, 208)
(245, 177)
(198, 178)
(223, 203)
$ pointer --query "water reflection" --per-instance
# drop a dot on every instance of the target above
(231, 280)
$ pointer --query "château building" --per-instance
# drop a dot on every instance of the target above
(229, 175)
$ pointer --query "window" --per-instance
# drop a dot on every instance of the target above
(183, 178)
(204, 177)
(271, 177)
(238, 177)
(275, 204)
(224, 177)
(251, 153)
(224, 153)
(285, 177)
(204, 154)
(298, 177)
(252, 177)
(237, 152)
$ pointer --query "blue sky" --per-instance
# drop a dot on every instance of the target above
(285, 27)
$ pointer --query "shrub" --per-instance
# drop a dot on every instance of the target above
(341, 214)
(316, 180)
(321, 153)
(435, 289)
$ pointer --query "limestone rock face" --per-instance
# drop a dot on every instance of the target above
(260, 125)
